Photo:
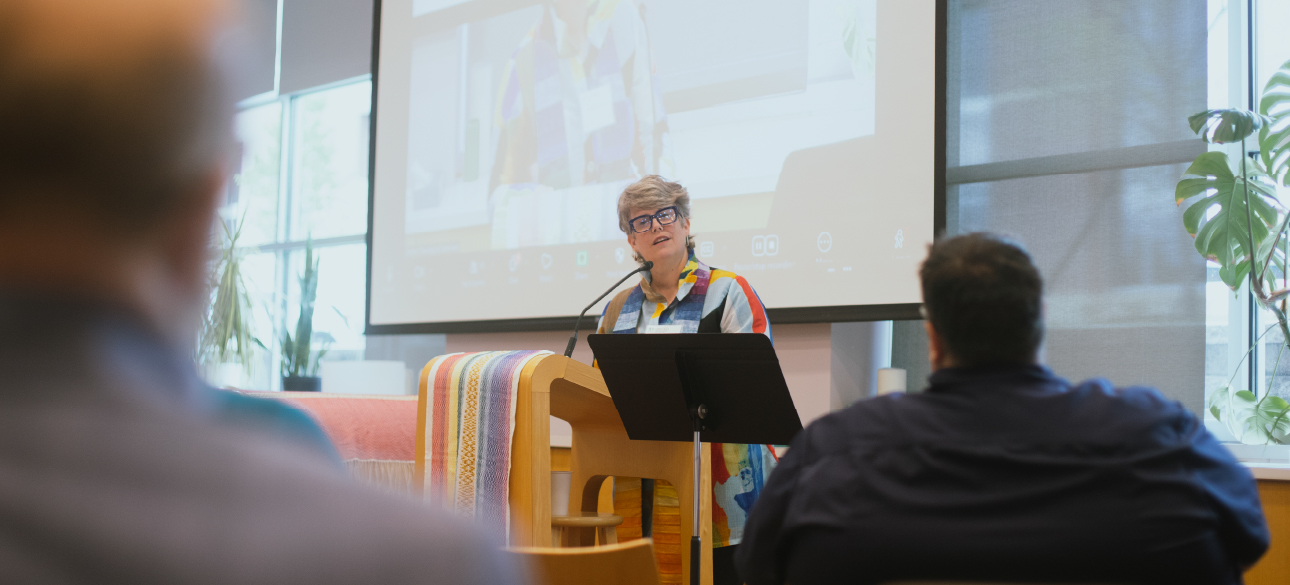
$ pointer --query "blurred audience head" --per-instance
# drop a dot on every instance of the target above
(982, 301)
(114, 125)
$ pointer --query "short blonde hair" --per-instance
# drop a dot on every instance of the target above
(653, 192)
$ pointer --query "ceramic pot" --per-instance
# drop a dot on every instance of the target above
(301, 384)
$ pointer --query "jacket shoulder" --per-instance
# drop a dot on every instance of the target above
(865, 421)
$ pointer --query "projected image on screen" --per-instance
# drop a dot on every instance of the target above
(507, 130)
(552, 126)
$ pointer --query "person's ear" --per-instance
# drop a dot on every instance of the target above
(935, 346)
(187, 236)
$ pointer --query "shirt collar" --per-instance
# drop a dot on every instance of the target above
(992, 376)
(689, 275)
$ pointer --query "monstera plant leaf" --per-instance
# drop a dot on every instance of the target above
(1269, 422)
(1274, 137)
(1234, 409)
(1231, 216)
(1217, 404)
(1251, 420)
(1226, 126)
(1271, 257)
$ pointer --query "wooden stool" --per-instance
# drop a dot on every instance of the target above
(576, 529)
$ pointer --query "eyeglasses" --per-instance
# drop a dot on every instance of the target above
(645, 223)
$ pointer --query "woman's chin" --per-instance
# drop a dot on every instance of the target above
(660, 254)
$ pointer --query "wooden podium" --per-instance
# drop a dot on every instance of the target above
(555, 385)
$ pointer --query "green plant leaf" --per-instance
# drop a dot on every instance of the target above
(1204, 174)
(1271, 262)
(1274, 137)
(1268, 422)
(318, 356)
(1269, 248)
(1234, 275)
(1274, 147)
(1218, 398)
(289, 367)
(1240, 413)
(1276, 93)
(1227, 125)
(1276, 404)
(226, 332)
(296, 351)
(1219, 219)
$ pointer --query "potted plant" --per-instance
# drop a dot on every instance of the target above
(1239, 223)
(299, 361)
(225, 337)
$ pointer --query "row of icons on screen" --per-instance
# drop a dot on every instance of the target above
(767, 245)
(761, 246)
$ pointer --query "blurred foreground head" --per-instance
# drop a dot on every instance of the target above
(982, 301)
(113, 125)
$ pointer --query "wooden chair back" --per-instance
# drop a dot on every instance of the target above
(630, 563)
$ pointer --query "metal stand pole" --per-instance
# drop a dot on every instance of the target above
(697, 414)
(696, 543)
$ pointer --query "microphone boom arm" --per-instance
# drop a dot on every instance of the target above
(573, 340)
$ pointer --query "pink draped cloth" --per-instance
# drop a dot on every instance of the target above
(363, 428)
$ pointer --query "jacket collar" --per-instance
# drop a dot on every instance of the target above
(991, 376)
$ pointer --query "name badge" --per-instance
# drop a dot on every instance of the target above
(663, 329)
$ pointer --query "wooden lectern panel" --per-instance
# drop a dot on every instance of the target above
(575, 392)
(530, 486)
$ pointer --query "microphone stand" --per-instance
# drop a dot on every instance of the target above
(573, 340)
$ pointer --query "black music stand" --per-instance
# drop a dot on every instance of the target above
(713, 388)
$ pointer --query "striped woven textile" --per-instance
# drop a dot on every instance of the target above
(464, 431)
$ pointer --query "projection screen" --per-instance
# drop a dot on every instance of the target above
(809, 134)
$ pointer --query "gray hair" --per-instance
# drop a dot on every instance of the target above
(653, 192)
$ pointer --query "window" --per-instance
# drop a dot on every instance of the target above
(1227, 312)
(329, 163)
(1070, 133)
(1271, 51)
(1246, 347)
(302, 181)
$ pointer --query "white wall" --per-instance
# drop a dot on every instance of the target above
(858, 350)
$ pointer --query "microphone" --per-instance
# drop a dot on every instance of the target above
(573, 340)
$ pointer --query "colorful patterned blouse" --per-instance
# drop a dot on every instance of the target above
(710, 300)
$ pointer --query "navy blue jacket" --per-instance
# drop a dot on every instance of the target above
(1006, 473)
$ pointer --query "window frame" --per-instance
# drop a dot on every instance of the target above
(284, 242)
